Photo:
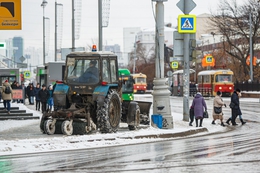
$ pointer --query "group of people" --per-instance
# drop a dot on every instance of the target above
(199, 107)
(42, 95)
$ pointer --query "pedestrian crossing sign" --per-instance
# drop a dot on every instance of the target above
(27, 74)
(187, 24)
(174, 64)
(209, 59)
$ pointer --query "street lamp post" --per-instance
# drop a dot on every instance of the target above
(44, 3)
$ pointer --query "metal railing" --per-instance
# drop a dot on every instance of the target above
(248, 86)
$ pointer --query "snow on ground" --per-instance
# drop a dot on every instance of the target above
(62, 142)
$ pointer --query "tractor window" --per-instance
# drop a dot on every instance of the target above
(82, 70)
(113, 71)
(106, 74)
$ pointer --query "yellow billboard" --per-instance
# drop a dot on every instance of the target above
(10, 15)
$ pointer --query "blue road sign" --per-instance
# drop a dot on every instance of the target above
(187, 24)
(209, 59)
(27, 74)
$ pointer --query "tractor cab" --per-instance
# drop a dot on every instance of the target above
(86, 70)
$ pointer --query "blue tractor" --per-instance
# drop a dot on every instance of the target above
(89, 98)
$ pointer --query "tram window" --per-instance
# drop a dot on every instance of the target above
(223, 78)
(200, 79)
(206, 79)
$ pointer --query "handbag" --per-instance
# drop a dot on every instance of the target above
(205, 114)
(217, 110)
(232, 105)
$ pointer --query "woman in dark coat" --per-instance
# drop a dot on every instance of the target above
(44, 95)
(199, 105)
(30, 93)
(37, 98)
(235, 110)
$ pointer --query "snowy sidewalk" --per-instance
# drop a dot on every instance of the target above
(46, 143)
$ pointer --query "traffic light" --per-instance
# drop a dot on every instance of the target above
(193, 53)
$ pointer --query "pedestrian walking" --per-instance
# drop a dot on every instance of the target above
(37, 98)
(44, 95)
(7, 94)
(199, 106)
(240, 113)
(235, 108)
(50, 99)
(217, 112)
(30, 93)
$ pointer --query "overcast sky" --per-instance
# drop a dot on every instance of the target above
(123, 13)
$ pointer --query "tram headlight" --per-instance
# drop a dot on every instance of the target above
(230, 88)
(137, 87)
(220, 88)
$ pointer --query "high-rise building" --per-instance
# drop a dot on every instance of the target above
(18, 49)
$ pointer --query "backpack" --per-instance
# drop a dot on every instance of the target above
(7, 90)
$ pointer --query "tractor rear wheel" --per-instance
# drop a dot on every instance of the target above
(109, 115)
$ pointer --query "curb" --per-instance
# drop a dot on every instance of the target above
(169, 135)
(162, 136)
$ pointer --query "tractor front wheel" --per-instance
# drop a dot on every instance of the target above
(49, 127)
(67, 128)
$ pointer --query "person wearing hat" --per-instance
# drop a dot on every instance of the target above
(43, 96)
(37, 99)
(199, 104)
(217, 108)
(50, 99)
(30, 93)
(91, 74)
(7, 97)
(236, 109)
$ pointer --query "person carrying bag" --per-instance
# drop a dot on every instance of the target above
(199, 106)
(217, 108)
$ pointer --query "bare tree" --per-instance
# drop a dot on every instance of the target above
(143, 56)
(232, 21)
